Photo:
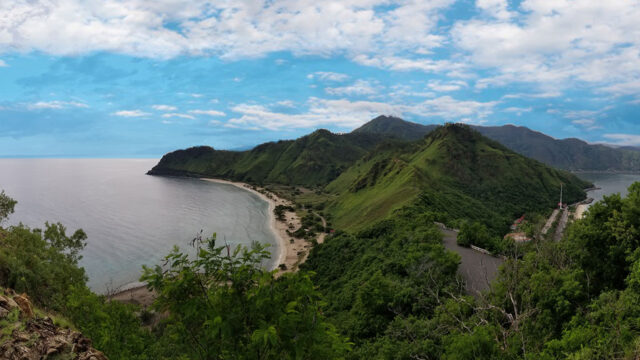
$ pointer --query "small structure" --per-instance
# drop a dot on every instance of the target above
(517, 223)
(518, 237)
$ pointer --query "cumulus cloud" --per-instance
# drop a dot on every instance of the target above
(3, 64)
(178, 115)
(495, 8)
(517, 110)
(409, 64)
(207, 112)
(440, 86)
(358, 88)
(56, 105)
(344, 113)
(557, 43)
(229, 29)
(164, 107)
(328, 76)
(131, 113)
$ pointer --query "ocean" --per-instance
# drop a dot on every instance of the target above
(609, 183)
(130, 218)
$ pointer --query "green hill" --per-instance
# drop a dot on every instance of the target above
(311, 160)
(455, 171)
(569, 154)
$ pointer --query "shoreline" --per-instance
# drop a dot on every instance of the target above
(279, 233)
(289, 248)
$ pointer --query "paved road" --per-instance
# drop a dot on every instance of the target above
(561, 225)
(477, 269)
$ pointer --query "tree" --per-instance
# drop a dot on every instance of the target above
(474, 233)
(223, 305)
(7, 206)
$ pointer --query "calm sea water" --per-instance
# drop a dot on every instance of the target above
(130, 218)
(609, 183)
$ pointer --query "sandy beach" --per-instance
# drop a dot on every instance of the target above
(291, 251)
(580, 209)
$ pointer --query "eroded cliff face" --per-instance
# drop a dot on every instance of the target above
(24, 335)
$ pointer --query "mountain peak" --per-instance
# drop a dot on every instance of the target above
(394, 126)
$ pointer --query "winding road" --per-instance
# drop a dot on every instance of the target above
(477, 269)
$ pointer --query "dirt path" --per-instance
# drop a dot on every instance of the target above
(322, 235)
(477, 269)
(549, 223)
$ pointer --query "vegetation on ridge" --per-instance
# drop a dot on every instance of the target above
(454, 171)
(311, 160)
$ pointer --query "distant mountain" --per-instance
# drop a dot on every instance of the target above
(569, 154)
(454, 170)
(390, 125)
(311, 160)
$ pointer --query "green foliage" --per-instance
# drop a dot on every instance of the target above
(7, 205)
(455, 171)
(609, 234)
(114, 327)
(280, 211)
(42, 264)
(222, 305)
(311, 160)
(568, 154)
(385, 280)
(473, 234)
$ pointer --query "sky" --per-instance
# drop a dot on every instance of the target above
(139, 78)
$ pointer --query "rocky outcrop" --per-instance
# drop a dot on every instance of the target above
(25, 336)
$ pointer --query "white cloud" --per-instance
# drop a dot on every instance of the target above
(56, 105)
(328, 76)
(178, 115)
(437, 85)
(495, 8)
(406, 64)
(584, 122)
(349, 114)
(207, 112)
(3, 64)
(131, 113)
(286, 103)
(557, 44)
(517, 110)
(542, 95)
(229, 29)
(359, 87)
(164, 107)
(197, 96)
(450, 108)
(624, 139)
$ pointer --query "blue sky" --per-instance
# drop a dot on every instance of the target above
(139, 78)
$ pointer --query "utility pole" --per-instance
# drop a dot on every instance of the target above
(560, 203)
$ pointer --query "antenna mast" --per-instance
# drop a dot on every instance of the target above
(560, 204)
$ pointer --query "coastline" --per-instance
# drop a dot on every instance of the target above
(291, 251)
(277, 228)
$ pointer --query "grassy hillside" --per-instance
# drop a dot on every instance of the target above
(455, 171)
(311, 160)
(568, 154)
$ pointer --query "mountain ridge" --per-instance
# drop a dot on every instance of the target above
(454, 170)
(569, 154)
